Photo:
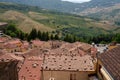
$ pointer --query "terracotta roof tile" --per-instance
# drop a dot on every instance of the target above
(6, 57)
(64, 59)
(16, 41)
(37, 42)
(31, 69)
(71, 63)
(34, 52)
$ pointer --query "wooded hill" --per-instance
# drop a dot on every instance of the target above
(26, 18)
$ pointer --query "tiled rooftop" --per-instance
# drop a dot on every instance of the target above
(111, 61)
(37, 42)
(9, 46)
(34, 52)
(71, 63)
(25, 43)
(52, 55)
(6, 57)
(31, 69)
(3, 39)
(64, 59)
(12, 44)
(16, 41)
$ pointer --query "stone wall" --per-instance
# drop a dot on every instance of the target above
(8, 71)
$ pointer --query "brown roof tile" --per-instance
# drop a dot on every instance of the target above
(111, 61)
(69, 63)
(64, 59)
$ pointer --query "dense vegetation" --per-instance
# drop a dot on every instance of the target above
(12, 31)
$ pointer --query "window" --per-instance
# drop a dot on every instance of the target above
(72, 76)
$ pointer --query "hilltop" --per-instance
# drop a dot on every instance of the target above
(27, 17)
(100, 9)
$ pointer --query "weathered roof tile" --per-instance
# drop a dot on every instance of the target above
(111, 61)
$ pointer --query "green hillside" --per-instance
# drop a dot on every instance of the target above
(65, 6)
(27, 17)
(22, 21)
(98, 9)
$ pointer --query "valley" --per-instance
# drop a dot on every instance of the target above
(26, 18)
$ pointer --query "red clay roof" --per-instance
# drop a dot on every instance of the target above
(6, 57)
(37, 42)
(3, 39)
(12, 44)
(93, 52)
(31, 69)
(9, 46)
(33, 52)
(16, 41)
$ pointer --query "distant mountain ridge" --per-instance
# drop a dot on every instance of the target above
(66, 6)
(47, 4)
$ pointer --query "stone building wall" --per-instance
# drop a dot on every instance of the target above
(8, 71)
(64, 75)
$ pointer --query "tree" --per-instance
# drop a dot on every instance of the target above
(69, 38)
(56, 37)
(51, 37)
(47, 36)
(33, 34)
(11, 27)
(12, 31)
(66, 37)
(12, 34)
(75, 38)
(43, 38)
(22, 36)
(39, 35)
(117, 38)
